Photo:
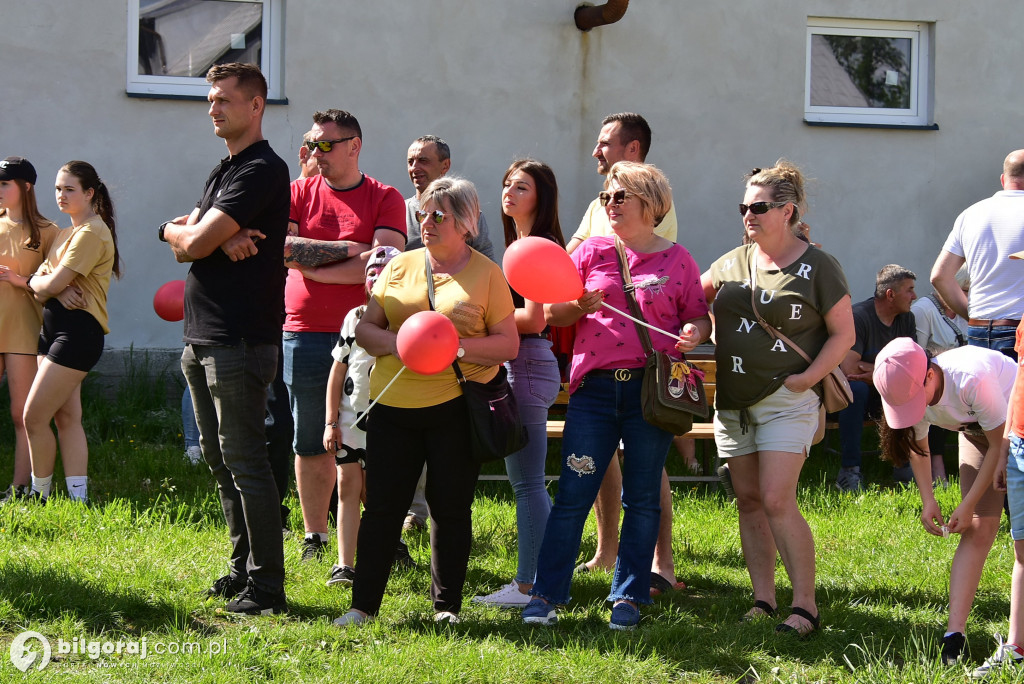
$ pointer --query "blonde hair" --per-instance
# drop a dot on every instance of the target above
(459, 196)
(786, 183)
(648, 183)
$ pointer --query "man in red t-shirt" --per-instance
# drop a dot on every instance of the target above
(337, 218)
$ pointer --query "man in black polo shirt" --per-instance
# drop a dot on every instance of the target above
(233, 303)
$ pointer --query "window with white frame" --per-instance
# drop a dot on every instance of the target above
(868, 72)
(172, 43)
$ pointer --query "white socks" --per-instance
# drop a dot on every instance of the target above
(78, 487)
(322, 536)
(42, 485)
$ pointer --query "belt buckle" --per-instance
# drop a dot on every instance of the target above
(623, 374)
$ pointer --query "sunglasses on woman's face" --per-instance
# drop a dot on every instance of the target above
(438, 216)
(759, 208)
(326, 146)
(614, 198)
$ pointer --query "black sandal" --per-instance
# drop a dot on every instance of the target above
(815, 620)
(766, 611)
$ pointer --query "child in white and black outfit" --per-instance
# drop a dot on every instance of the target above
(348, 396)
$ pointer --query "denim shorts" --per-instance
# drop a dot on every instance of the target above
(1015, 486)
(783, 421)
(307, 365)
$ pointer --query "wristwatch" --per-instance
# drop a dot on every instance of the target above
(462, 351)
(160, 231)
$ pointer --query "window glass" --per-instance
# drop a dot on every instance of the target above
(173, 43)
(860, 71)
(187, 37)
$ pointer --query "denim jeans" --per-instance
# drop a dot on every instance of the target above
(866, 402)
(535, 382)
(1015, 486)
(279, 428)
(998, 337)
(189, 428)
(307, 365)
(229, 392)
(601, 412)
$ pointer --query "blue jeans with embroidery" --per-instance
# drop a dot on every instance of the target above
(535, 382)
(601, 412)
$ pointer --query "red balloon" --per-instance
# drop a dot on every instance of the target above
(541, 271)
(169, 301)
(427, 342)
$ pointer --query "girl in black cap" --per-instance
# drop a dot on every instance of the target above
(25, 238)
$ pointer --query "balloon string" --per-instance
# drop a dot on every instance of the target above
(643, 323)
(374, 402)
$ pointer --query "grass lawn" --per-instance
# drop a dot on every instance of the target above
(134, 566)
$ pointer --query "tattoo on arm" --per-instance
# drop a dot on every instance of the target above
(311, 253)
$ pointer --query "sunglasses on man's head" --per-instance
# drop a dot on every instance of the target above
(326, 145)
(759, 208)
(438, 216)
(614, 198)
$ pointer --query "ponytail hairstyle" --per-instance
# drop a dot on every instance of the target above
(30, 213)
(90, 180)
(898, 445)
(787, 185)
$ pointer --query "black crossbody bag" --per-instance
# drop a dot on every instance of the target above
(495, 426)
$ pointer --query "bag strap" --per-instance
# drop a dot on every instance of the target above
(430, 299)
(772, 331)
(942, 314)
(630, 291)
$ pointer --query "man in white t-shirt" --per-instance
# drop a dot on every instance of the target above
(984, 236)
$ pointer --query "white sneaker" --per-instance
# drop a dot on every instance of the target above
(1006, 656)
(446, 617)
(351, 618)
(508, 596)
(194, 454)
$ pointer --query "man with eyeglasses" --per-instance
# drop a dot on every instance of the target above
(235, 241)
(430, 158)
(627, 137)
(984, 236)
(337, 218)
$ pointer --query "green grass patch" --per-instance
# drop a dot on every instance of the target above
(133, 567)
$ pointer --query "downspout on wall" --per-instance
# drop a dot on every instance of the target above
(590, 16)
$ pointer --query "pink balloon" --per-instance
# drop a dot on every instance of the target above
(427, 342)
(541, 271)
(169, 301)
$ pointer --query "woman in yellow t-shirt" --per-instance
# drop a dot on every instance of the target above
(25, 238)
(72, 284)
(424, 418)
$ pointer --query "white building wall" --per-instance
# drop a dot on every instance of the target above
(721, 84)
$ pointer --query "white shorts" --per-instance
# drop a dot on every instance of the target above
(783, 421)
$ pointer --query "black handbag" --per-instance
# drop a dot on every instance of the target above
(495, 427)
(673, 391)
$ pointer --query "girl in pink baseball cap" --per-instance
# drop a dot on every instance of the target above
(966, 390)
